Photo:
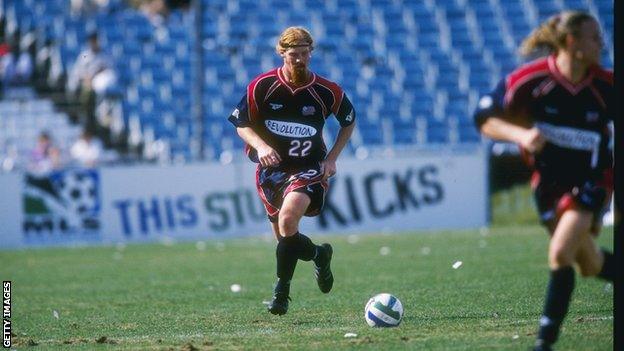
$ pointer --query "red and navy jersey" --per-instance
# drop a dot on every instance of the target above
(291, 119)
(573, 118)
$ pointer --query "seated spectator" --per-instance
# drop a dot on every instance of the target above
(45, 157)
(87, 8)
(156, 11)
(87, 150)
(16, 67)
(91, 76)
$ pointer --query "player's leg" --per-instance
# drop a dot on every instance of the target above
(594, 261)
(288, 249)
(275, 228)
(573, 225)
(296, 204)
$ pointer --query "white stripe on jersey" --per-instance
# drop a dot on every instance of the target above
(572, 138)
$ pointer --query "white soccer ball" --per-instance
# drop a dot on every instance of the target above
(383, 310)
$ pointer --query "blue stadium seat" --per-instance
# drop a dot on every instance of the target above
(158, 68)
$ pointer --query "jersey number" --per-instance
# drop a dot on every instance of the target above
(299, 149)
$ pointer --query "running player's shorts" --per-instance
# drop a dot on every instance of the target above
(274, 183)
(554, 199)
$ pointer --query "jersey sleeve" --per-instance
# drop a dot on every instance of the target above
(240, 117)
(490, 104)
(518, 96)
(345, 113)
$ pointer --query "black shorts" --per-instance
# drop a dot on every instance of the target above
(274, 183)
(553, 199)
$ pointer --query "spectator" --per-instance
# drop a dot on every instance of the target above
(16, 67)
(87, 8)
(92, 75)
(156, 11)
(87, 150)
(45, 157)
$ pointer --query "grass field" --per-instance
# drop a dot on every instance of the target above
(178, 297)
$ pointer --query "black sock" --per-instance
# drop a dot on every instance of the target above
(558, 295)
(283, 286)
(607, 272)
(306, 248)
(286, 254)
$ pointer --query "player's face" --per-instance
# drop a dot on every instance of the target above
(588, 43)
(297, 58)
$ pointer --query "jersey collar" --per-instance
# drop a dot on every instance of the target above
(293, 90)
(569, 86)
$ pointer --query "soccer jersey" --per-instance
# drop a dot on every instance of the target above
(290, 119)
(573, 118)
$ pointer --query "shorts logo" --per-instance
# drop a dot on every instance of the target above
(275, 106)
(591, 116)
(308, 110)
(235, 113)
(551, 110)
(63, 202)
(290, 129)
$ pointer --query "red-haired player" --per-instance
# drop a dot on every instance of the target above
(281, 120)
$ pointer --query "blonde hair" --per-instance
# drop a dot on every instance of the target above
(294, 37)
(550, 36)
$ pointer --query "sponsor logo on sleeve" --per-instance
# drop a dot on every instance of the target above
(275, 106)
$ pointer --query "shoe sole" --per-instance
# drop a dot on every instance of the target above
(277, 313)
(278, 310)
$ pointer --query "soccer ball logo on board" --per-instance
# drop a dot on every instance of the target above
(61, 205)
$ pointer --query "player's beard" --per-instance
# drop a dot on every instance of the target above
(299, 75)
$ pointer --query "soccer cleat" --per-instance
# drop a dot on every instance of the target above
(279, 304)
(540, 345)
(322, 270)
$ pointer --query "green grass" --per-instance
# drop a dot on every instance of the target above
(515, 205)
(158, 297)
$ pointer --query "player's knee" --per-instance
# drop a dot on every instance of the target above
(288, 223)
(559, 257)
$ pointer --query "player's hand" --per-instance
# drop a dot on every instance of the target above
(329, 168)
(533, 141)
(268, 157)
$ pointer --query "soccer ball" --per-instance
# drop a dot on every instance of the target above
(383, 310)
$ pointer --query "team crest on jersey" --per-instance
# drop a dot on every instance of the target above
(592, 116)
(275, 106)
(308, 110)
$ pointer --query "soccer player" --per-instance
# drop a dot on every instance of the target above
(281, 120)
(557, 109)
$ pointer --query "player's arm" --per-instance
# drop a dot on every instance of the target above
(266, 154)
(496, 122)
(346, 118)
(241, 119)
